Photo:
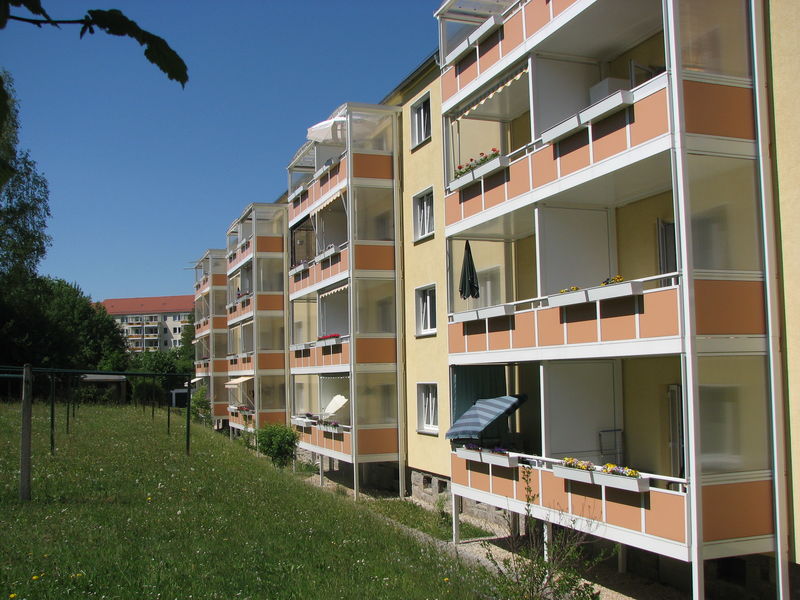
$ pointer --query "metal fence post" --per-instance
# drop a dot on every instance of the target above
(188, 415)
(25, 437)
(69, 400)
(52, 414)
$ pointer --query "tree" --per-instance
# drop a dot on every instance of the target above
(112, 22)
(184, 354)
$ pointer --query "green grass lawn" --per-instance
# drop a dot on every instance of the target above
(121, 512)
(431, 522)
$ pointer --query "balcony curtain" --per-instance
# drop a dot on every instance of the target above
(470, 383)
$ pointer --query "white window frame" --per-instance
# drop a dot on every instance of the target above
(424, 225)
(420, 128)
(427, 407)
(425, 313)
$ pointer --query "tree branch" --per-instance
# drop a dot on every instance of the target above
(40, 22)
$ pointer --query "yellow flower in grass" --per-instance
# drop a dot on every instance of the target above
(446, 579)
(35, 577)
(12, 595)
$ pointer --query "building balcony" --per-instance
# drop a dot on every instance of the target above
(375, 443)
(613, 320)
(210, 367)
(324, 185)
(244, 251)
(592, 145)
(567, 27)
(325, 269)
(248, 362)
(206, 325)
(657, 519)
(207, 282)
(332, 354)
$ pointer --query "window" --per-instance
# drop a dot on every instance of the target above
(427, 407)
(426, 310)
(421, 121)
(423, 215)
(166, 330)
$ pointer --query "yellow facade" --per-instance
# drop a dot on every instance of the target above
(784, 23)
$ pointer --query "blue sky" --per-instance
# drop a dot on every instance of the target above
(144, 175)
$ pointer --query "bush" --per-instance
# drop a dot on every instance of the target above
(201, 405)
(279, 442)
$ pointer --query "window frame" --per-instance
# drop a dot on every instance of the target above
(417, 211)
(423, 309)
(424, 389)
(419, 133)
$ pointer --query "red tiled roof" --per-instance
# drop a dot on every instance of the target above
(156, 304)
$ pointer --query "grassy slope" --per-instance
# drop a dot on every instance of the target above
(121, 512)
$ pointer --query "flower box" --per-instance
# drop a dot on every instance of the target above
(299, 268)
(622, 482)
(331, 428)
(501, 310)
(462, 181)
(610, 104)
(467, 315)
(562, 130)
(574, 474)
(487, 168)
(567, 298)
(488, 457)
(303, 421)
(615, 290)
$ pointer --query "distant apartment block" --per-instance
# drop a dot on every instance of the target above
(152, 323)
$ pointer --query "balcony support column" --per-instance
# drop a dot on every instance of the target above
(682, 211)
(456, 505)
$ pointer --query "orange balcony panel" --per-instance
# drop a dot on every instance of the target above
(456, 342)
(554, 492)
(269, 243)
(586, 500)
(334, 265)
(665, 515)
(219, 279)
(478, 475)
(618, 319)
(374, 258)
(269, 302)
(659, 316)
(336, 355)
(573, 152)
(494, 189)
(649, 118)
(537, 15)
(219, 322)
(737, 510)
(220, 365)
(560, 6)
(220, 410)
(623, 509)
(581, 320)
(503, 481)
(373, 166)
(551, 331)
(458, 470)
(272, 417)
(316, 356)
(471, 200)
(376, 350)
(377, 441)
(475, 333)
(449, 83)
(609, 136)
(512, 34)
(524, 333)
(452, 208)
(722, 110)
(467, 68)
(500, 333)
(270, 360)
(528, 485)
(545, 166)
(489, 51)
(324, 183)
(729, 307)
(519, 181)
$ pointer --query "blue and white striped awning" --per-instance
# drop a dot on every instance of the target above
(483, 413)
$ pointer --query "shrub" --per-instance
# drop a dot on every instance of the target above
(279, 442)
(201, 405)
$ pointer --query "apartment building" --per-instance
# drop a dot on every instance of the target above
(211, 331)
(605, 163)
(343, 290)
(256, 317)
(152, 323)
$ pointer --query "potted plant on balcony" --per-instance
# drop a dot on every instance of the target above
(330, 426)
(615, 287)
(623, 478)
(469, 451)
(571, 295)
(575, 470)
(499, 457)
